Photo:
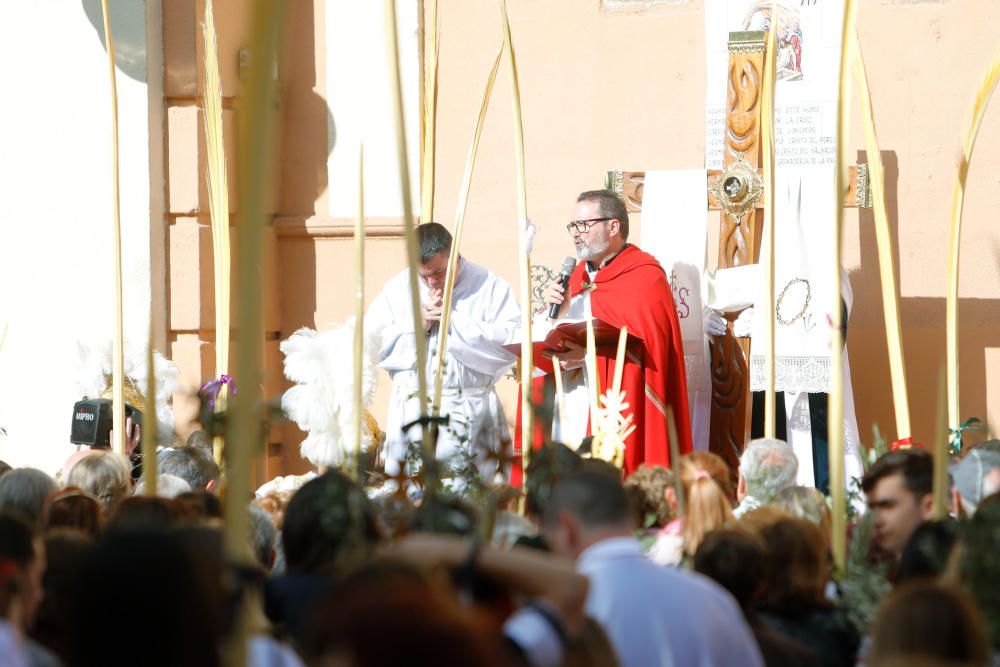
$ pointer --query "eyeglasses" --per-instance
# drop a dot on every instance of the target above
(583, 226)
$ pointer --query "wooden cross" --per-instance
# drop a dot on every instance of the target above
(739, 241)
(502, 456)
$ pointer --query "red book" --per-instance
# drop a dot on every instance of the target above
(605, 335)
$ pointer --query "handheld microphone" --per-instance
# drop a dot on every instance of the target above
(567, 270)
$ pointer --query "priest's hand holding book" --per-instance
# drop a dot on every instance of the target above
(567, 339)
(573, 355)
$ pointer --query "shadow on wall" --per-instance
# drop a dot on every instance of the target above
(128, 28)
(305, 116)
(923, 330)
(303, 177)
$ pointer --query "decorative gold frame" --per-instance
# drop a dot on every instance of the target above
(738, 188)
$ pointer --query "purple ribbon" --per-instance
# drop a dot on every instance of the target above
(214, 387)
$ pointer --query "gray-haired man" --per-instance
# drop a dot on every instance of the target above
(766, 467)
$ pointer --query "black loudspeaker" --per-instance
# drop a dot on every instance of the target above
(92, 422)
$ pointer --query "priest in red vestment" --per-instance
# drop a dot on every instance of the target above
(626, 287)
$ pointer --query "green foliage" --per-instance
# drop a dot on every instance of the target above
(879, 447)
(855, 498)
(461, 482)
(863, 584)
(955, 434)
(980, 569)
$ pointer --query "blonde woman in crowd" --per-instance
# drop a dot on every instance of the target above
(708, 502)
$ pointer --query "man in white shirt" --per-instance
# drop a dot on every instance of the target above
(484, 317)
(653, 615)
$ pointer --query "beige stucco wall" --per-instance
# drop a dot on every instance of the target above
(606, 91)
(612, 90)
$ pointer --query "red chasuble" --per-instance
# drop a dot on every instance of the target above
(633, 291)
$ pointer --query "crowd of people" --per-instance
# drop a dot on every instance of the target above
(719, 567)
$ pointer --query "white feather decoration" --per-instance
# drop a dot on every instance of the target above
(95, 367)
(322, 401)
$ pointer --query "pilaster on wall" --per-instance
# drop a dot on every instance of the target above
(191, 330)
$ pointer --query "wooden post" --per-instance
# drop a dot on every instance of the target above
(739, 244)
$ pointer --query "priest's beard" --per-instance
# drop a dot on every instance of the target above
(595, 249)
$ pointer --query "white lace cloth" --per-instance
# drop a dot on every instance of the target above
(798, 374)
(803, 267)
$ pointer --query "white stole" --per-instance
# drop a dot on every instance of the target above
(674, 230)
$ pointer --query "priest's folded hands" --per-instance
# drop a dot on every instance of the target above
(430, 310)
